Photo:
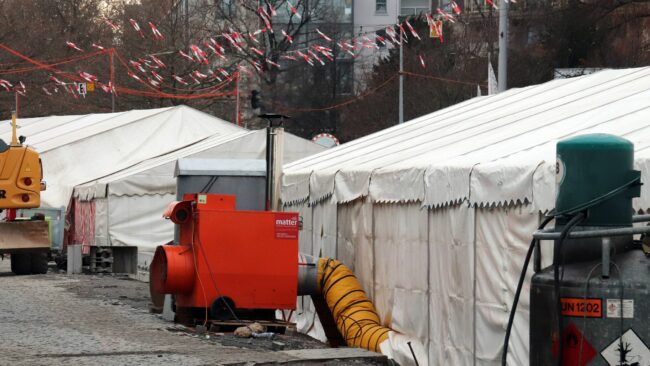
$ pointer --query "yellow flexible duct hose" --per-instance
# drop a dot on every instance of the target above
(354, 314)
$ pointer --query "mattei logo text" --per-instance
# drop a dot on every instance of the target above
(287, 222)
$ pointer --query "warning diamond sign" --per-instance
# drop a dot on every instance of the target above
(576, 349)
(627, 350)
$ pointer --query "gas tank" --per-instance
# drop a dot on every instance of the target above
(610, 327)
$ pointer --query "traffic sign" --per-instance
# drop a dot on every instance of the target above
(82, 89)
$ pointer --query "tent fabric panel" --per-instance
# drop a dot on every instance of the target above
(355, 241)
(138, 221)
(84, 223)
(397, 185)
(101, 221)
(451, 285)
(351, 184)
(502, 238)
(401, 267)
(324, 230)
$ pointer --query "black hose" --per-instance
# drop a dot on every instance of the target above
(557, 259)
(522, 277)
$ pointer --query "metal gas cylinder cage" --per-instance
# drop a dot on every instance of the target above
(590, 306)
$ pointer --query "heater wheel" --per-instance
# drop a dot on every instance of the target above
(222, 308)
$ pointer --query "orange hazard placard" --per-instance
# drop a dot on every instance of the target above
(580, 307)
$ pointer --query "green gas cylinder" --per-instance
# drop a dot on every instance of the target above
(596, 172)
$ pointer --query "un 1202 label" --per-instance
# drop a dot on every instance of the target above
(581, 307)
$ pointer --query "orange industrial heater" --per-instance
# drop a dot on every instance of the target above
(228, 260)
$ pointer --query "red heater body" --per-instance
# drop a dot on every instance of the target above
(248, 259)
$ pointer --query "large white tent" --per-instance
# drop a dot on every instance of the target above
(125, 208)
(435, 215)
(79, 148)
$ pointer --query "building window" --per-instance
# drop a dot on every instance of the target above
(415, 7)
(228, 8)
(381, 7)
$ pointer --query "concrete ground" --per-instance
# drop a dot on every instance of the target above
(56, 319)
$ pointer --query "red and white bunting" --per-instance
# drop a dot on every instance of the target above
(446, 15)
(455, 8)
(313, 55)
(272, 63)
(294, 10)
(136, 77)
(218, 47)
(429, 19)
(111, 24)
(136, 26)
(88, 77)
(232, 41)
(73, 46)
(185, 55)
(179, 79)
(20, 89)
(412, 30)
(403, 35)
(156, 33)
(198, 74)
(157, 61)
(214, 76)
(99, 47)
(153, 82)
(266, 18)
(390, 32)
(491, 3)
(57, 81)
(6, 84)
(380, 39)
(306, 58)
(137, 65)
(288, 57)
(253, 38)
(157, 76)
(288, 37)
(199, 54)
(257, 51)
(325, 37)
(70, 90)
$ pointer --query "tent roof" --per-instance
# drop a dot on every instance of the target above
(79, 148)
(156, 175)
(488, 150)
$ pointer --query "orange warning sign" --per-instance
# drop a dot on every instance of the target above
(580, 307)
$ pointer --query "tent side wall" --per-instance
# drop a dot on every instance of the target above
(446, 276)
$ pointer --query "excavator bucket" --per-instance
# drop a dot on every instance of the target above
(17, 235)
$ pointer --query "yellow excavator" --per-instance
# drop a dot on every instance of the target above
(21, 181)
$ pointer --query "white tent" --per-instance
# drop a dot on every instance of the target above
(435, 215)
(77, 149)
(126, 207)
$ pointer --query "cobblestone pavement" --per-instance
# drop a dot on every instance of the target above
(55, 319)
(43, 323)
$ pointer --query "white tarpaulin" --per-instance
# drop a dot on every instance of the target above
(78, 149)
(137, 196)
(452, 199)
